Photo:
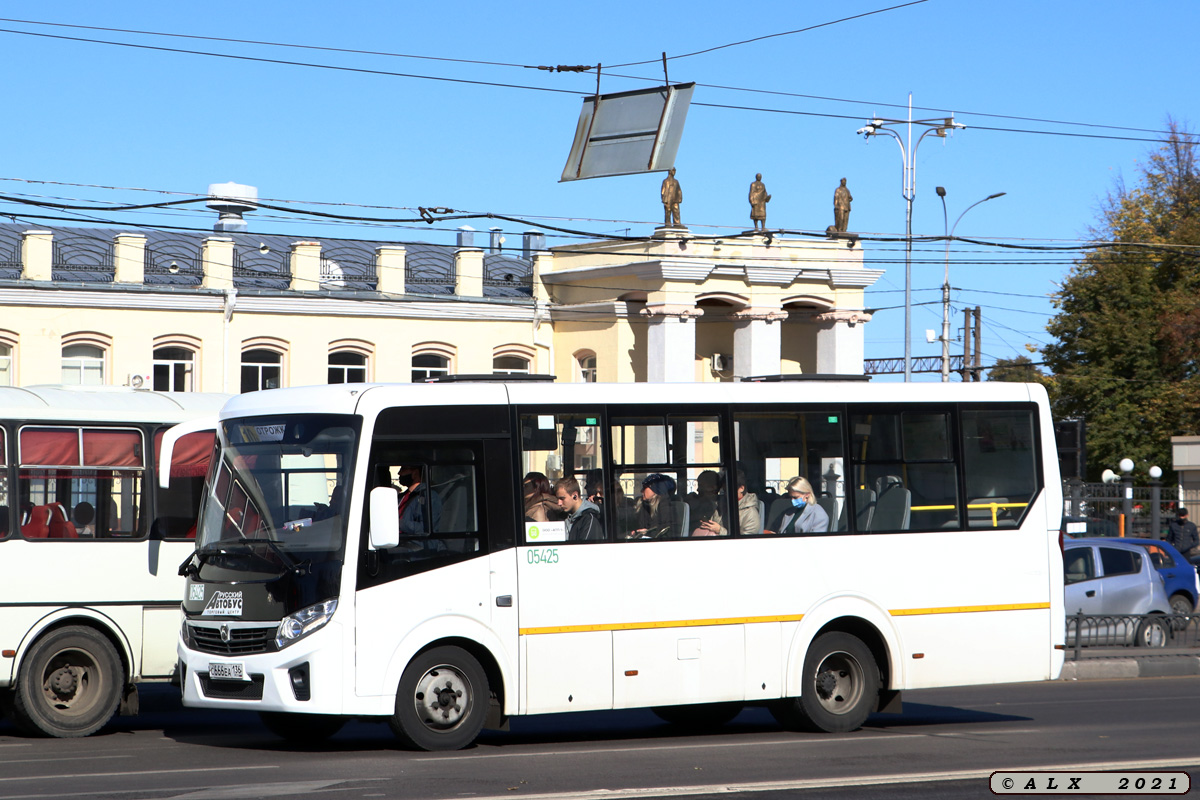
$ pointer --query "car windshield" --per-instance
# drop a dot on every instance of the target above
(276, 491)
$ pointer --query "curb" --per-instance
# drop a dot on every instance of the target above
(1144, 667)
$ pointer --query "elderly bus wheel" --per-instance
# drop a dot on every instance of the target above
(839, 690)
(69, 684)
(442, 700)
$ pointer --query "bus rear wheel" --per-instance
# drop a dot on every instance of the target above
(69, 684)
(302, 728)
(839, 690)
(442, 700)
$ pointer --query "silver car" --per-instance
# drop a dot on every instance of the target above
(1115, 579)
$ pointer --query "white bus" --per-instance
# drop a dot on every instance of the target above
(316, 595)
(89, 553)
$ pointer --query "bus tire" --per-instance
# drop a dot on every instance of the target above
(700, 715)
(442, 701)
(302, 728)
(839, 690)
(69, 684)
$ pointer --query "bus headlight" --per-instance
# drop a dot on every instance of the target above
(296, 626)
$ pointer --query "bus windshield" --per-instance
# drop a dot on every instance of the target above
(279, 483)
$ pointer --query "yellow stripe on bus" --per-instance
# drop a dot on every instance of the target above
(674, 623)
(699, 623)
(914, 612)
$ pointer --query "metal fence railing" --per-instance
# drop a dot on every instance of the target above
(1167, 633)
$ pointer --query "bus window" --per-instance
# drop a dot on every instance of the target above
(658, 463)
(1000, 466)
(906, 459)
(556, 446)
(178, 506)
(774, 448)
(5, 505)
(438, 507)
(80, 482)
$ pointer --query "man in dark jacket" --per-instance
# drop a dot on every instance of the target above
(583, 516)
(1182, 533)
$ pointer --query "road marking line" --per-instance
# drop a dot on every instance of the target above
(828, 783)
(135, 772)
(57, 759)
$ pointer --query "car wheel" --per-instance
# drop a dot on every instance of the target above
(840, 686)
(302, 728)
(699, 716)
(69, 684)
(1182, 604)
(442, 700)
(1152, 633)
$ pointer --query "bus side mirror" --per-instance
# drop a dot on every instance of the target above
(385, 519)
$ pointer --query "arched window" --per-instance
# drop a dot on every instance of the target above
(510, 365)
(429, 365)
(173, 369)
(586, 363)
(83, 365)
(6, 368)
(347, 367)
(261, 369)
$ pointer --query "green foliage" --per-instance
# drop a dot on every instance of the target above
(1127, 356)
(1022, 370)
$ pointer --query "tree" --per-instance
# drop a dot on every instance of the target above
(1021, 370)
(1127, 355)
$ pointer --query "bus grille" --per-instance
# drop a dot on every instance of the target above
(242, 641)
(232, 690)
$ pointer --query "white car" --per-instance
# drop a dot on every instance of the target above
(1115, 579)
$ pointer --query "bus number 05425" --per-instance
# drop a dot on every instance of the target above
(546, 555)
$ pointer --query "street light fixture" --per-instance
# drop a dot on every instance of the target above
(908, 152)
(941, 191)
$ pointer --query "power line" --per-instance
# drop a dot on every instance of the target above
(496, 84)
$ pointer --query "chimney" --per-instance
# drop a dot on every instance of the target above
(466, 236)
(532, 243)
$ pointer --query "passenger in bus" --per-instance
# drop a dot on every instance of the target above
(420, 510)
(703, 501)
(84, 515)
(655, 515)
(593, 486)
(540, 503)
(804, 515)
(583, 516)
(749, 522)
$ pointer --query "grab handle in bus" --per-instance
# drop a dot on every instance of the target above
(173, 435)
(385, 517)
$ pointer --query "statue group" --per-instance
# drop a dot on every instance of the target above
(672, 196)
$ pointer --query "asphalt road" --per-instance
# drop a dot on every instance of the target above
(946, 744)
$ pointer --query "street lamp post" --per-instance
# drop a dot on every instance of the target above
(908, 152)
(946, 282)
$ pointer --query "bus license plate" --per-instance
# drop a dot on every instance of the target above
(226, 671)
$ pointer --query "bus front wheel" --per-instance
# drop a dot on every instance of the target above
(68, 685)
(840, 686)
(442, 700)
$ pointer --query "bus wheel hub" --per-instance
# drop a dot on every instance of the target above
(64, 683)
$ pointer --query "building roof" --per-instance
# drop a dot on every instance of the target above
(261, 261)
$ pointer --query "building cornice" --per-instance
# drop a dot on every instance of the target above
(456, 309)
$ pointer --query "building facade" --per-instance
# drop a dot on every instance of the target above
(238, 311)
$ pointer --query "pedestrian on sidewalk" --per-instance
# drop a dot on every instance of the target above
(1182, 533)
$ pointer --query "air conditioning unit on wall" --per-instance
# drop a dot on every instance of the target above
(140, 380)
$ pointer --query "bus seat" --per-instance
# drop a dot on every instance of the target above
(778, 506)
(892, 510)
(828, 504)
(456, 505)
(38, 525)
(683, 515)
(61, 526)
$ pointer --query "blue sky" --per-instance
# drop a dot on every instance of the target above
(105, 116)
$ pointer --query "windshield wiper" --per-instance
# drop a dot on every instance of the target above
(191, 566)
